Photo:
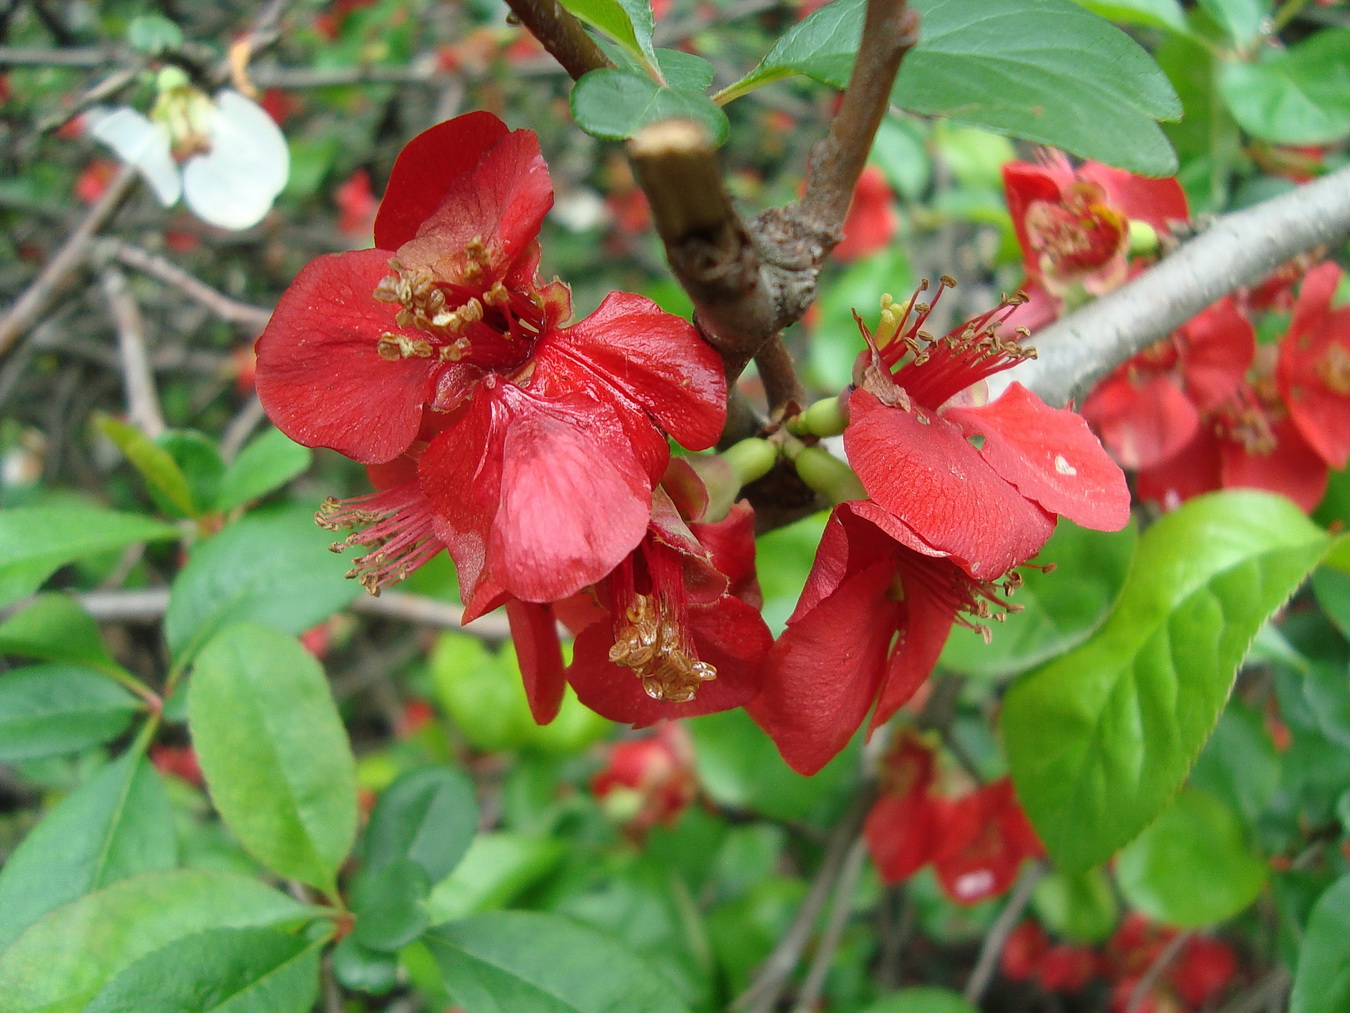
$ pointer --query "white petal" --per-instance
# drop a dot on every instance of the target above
(234, 184)
(140, 143)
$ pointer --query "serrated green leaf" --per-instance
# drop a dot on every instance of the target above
(1152, 13)
(55, 628)
(1241, 19)
(271, 566)
(274, 753)
(615, 104)
(1059, 609)
(155, 464)
(118, 824)
(429, 816)
(47, 710)
(627, 22)
(267, 462)
(1322, 980)
(1297, 96)
(684, 71)
(249, 970)
(36, 541)
(1046, 70)
(63, 960)
(1099, 739)
(521, 960)
(1192, 867)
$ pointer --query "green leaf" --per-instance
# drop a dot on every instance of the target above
(1192, 867)
(36, 541)
(1322, 980)
(922, 1000)
(615, 104)
(151, 35)
(1046, 70)
(267, 462)
(495, 869)
(740, 768)
(1326, 687)
(1059, 609)
(1099, 739)
(363, 969)
(1296, 96)
(1332, 588)
(250, 970)
(1239, 764)
(55, 628)
(272, 567)
(1241, 19)
(117, 824)
(429, 816)
(1150, 13)
(274, 753)
(1078, 906)
(47, 710)
(64, 960)
(199, 458)
(518, 960)
(627, 22)
(156, 465)
(387, 903)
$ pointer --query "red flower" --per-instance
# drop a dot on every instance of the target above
(871, 221)
(536, 446)
(658, 769)
(673, 631)
(1022, 953)
(867, 630)
(1313, 372)
(1073, 225)
(912, 421)
(991, 837)
(1207, 966)
(1150, 407)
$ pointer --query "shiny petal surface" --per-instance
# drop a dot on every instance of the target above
(319, 375)
(1051, 456)
(425, 170)
(932, 479)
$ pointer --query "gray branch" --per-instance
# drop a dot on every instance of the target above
(1238, 249)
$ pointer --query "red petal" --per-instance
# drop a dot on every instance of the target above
(1318, 344)
(535, 634)
(1292, 468)
(823, 674)
(934, 481)
(1024, 183)
(501, 202)
(652, 359)
(732, 544)
(1156, 201)
(426, 169)
(1193, 470)
(1217, 347)
(1143, 423)
(928, 621)
(1051, 456)
(902, 834)
(320, 376)
(729, 635)
(551, 484)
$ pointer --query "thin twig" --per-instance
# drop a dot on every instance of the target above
(137, 378)
(241, 427)
(1272, 986)
(765, 991)
(226, 308)
(783, 389)
(561, 34)
(61, 268)
(997, 936)
(1238, 249)
(1155, 970)
(834, 928)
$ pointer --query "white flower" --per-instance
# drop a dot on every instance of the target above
(236, 157)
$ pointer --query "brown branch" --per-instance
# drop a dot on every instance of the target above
(1155, 970)
(60, 270)
(137, 377)
(1238, 249)
(783, 389)
(844, 890)
(890, 30)
(561, 34)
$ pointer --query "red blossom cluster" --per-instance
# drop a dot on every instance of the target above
(1198, 974)
(976, 842)
(536, 452)
(1208, 407)
(649, 781)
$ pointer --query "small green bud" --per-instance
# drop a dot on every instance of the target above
(826, 417)
(828, 475)
(1143, 239)
(750, 459)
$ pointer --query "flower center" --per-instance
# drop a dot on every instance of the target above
(1077, 235)
(394, 525)
(650, 642)
(473, 321)
(1334, 369)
